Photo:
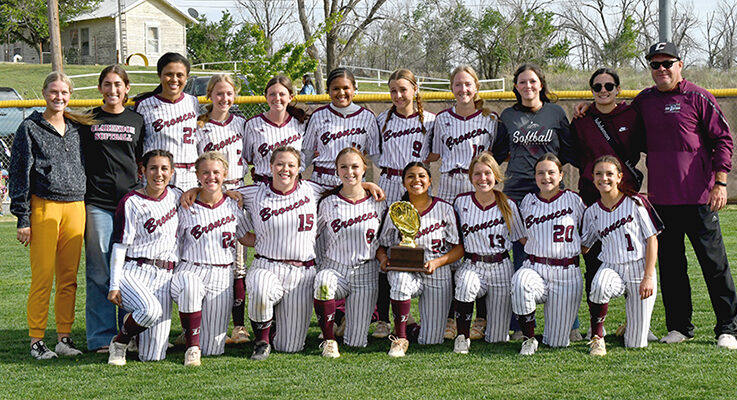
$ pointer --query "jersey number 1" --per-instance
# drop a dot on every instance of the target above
(305, 222)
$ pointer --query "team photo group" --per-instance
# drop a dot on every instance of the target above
(155, 195)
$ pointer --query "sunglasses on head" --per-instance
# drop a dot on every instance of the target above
(666, 64)
(609, 86)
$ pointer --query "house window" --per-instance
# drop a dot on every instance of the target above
(74, 39)
(152, 39)
(84, 35)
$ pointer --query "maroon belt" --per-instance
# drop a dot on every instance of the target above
(208, 265)
(167, 265)
(233, 181)
(183, 165)
(391, 171)
(458, 171)
(324, 171)
(561, 262)
(487, 258)
(260, 178)
(296, 263)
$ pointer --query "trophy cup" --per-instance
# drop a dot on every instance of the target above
(407, 256)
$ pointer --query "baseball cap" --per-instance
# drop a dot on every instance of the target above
(666, 48)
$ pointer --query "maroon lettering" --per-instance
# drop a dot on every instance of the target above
(338, 224)
(198, 230)
(151, 224)
(430, 229)
(468, 229)
(453, 141)
(160, 124)
(389, 134)
(220, 145)
(267, 212)
(616, 225)
(328, 136)
(530, 220)
(264, 149)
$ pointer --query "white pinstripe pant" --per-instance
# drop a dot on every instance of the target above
(239, 267)
(281, 292)
(474, 280)
(325, 179)
(559, 288)
(184, 178)
(435, 292)
(614, 280)
(359, 286)
(208, 289)
(145, 290)
(451, 185)
(393, 187)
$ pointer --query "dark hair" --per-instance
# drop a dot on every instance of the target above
(341, 73)
(308, 80)
(406, 169)
(545, 95)
(165, 60)
(157, 153)
(608, 158)
(298, 113)
(607, 71)
(117, 70)
(549, 157)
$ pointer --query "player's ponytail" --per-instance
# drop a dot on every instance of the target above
(478, 102)
(420, 111)
(610, 159)
(389, 114)
(501, 199)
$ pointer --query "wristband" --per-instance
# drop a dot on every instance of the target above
(720, 183)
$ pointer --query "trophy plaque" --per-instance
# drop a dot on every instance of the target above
(407, 256)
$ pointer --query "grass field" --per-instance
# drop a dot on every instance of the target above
(697, 369)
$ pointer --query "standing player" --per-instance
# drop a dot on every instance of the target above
(142, 259)
(219, 130)
(550, 275)
(627, 227)
(282, 125)
(336, 126)
(489, 223)
(280, 280)
(348, 222)
(202, 284)
(170, 118)
(461, 133)
(439, 235)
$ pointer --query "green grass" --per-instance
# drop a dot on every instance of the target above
(697, 369)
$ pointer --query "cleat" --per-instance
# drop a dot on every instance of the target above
(727, 341)
(382, 330)
(39, 351)
(461, 345)
(597, 347)
(117, 353)
(340, 330)
(529, 347)
(575, 336)
(192, 357)
(478, 329)
(451, 331)
(261, 350)
(651, 336)
(674, 337)
(621, 329)
(399, 346)
(133, 345)
(330, 349)
(517, 335)
(66, 347)
(181, 340)
(238, 335)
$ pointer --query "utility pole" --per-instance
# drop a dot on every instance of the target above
(666, 33)
(55, 36)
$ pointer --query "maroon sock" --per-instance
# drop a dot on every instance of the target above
(239, 301)
(464, 313)
(130, 329)
(325, 311)
(598, 315)
(400, 309)
(382, 302)
(191, 325)
(261, 331)
(527, 324)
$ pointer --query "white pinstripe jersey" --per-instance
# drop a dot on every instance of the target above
(148, 226)
(227, 138)
(438, 230)
(263, 136)
(350, 229)
(402, 141)
(553, 226)
(208, 234)
(622, 230)
(459, 139)
(285, 224)
(170, 126)
(329, 132)
(483, 229)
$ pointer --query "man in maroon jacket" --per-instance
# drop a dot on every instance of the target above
(689, 151)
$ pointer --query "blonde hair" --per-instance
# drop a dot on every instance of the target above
(478, 102)
(214, 80)
(501, 199)
(407, 75)
(80, 118)
(211, 156)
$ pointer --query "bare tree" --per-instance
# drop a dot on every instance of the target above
(312, 50)
(721, 36)
(270, 15)
(684, 23)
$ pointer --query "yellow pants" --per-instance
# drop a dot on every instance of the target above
(57, 233)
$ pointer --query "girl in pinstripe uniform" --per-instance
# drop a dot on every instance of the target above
(348, 221)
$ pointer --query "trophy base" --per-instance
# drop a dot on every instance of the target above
(407, 259)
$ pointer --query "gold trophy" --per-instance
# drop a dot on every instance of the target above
(407, 256)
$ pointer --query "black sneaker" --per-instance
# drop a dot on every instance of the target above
(39, 351)
(261, 351)
(66, 347)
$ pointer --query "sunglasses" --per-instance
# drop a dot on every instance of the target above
(666, 64)
(609, 86)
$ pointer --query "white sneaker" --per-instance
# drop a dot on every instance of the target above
(529, 347)
(597, 347)
(461, 345)
(451, 330)
(238, 335)
(66, 347)
(382, 330)
(516, 335)
(399, 346)
(674, 337)
(192, 357)
(117, 353)
(39, 351)
(133, 345)
(330, 349)
(651, 336)
(727, 341)
(478, 329)
(575, 336)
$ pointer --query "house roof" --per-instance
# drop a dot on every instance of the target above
(109, 9)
